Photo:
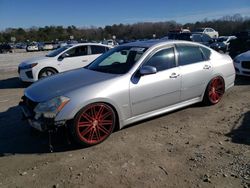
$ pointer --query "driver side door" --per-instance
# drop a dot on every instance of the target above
(159, 90)
(74, 58)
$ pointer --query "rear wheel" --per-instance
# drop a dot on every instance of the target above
(214, 91)
(46, 72)
(93, 124)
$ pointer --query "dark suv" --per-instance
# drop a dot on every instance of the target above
(4, 48)
(240, 45)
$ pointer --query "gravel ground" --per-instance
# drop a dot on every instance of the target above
(193, 147)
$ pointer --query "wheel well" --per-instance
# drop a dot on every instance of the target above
(47, 68)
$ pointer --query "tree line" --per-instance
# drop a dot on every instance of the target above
(227, 25)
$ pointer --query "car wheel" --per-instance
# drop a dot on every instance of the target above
(93, 124)
(214, 91)
(46, 72)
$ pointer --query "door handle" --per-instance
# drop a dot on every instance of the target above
(174, 75)
(206, 67)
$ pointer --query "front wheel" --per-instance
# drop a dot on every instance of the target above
(214, 91)
(46, 72)
(93, 124)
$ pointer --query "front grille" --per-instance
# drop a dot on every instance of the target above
(29, 104)
(245, 64)
(246, 72)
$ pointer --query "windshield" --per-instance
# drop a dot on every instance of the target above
(119, 60)
(58, 51)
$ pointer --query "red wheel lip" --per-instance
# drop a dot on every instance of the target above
(97, 123)
(216, 90)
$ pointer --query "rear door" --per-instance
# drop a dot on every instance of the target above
(196, 70)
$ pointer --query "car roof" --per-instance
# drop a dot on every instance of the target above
(154, 43)
(89, 43)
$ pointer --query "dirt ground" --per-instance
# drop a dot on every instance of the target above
(193, 147)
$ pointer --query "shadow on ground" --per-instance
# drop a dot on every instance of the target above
(17, 138)
(12, 83)
(240, 133)
(242, 80)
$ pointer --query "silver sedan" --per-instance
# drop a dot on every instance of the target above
(127, 84)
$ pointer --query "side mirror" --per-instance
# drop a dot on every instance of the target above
(145, 70)
(61, 57)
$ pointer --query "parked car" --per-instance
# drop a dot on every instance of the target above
(209, 31)
(131, 82)
(21, 45)
(48, 46)
(202, 38)
(242, 64)
(5, 48)
(241, 44)
(222, 43)
(110, 42)
(63, 59)
(32, 47)
(195, 37)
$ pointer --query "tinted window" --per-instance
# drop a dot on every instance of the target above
(98, 49)
(78, 51)
(162, 60)
(206, 52)
(189, 54)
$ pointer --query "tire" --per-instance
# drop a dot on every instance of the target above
(46, 72)
(214, 91)
(93, 124)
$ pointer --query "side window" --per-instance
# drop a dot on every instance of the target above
(162, 60)
(98, 49)
(78, 51)
(206, 52)
(189, 54)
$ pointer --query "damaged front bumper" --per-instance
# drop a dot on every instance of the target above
(40, 122)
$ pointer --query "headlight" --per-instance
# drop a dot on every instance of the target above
(50, 108)
(29, 66)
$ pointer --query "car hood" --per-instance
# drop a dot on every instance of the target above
(60, 84)
(244, 56)
(33, 60)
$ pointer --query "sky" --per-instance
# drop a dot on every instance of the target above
(98, 13)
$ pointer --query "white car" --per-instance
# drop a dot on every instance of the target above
(63, 59)
(32, 47)
(242, 64)
(48, 46)
(209, 31)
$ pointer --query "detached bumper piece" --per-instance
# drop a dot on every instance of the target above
(42, 124)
